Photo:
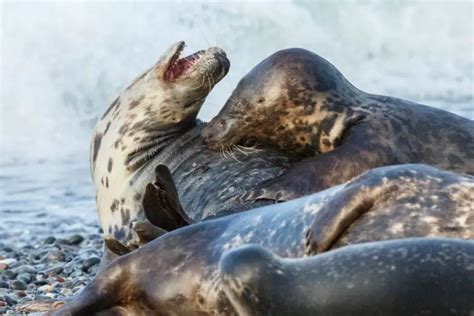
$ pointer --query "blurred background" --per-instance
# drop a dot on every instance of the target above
(62, 63)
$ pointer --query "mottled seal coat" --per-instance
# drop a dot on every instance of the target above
(177, 273)
(153, 122)
(297, 101)
(420, 276)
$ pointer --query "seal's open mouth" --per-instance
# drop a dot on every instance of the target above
(178, 67)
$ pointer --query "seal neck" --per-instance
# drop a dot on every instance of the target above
(155, 142)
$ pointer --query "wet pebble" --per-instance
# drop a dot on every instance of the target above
(18, 285)
(25, 277)
(40, 282)
(4, 285)
(54, 271)
(9, 274)
(50, 240)
(55, 255)
(8, 263)
(10, 300)
(90, 262)
(75, 239)
(25, 269)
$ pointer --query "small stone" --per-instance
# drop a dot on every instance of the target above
(10, 274)
(40, 282)
(50, 240)
(3, 285)
(20, 293)
(90, 262)
(10, 300)
(2, 303)
(75, 239)
(8, 263)
(60, 280)
(18, 285)
(54, 271)
(7, 249)
(76, 273)
(25, 269)
(25, 277)
(55, 255)
(45, 288)
(67, 292)
(62, 241)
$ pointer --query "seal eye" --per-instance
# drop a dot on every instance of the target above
(250, 142)
(261, 100)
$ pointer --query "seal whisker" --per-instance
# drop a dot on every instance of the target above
(237, 147)
(232, 154)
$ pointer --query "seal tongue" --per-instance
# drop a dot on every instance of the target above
(183, 65)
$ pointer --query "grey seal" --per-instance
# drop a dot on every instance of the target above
(178, 273)
(299, 102)
(419, 276)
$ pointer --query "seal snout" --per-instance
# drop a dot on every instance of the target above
(210, 134)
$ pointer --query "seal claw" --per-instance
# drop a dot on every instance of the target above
(275, 191)
(147, 232)
(115, 246)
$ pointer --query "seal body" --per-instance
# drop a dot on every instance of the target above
(401, 277)
(177, 273)
(154, 122)
(297, 101)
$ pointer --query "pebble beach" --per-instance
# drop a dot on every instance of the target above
(50, 241)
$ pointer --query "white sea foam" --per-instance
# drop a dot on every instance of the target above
(62, 63)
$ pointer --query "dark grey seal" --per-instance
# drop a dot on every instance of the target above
(177, 273)
(299, 102)
(420, 276)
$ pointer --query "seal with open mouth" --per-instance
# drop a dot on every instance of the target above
(153, 122)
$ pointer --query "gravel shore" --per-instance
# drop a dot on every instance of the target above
(46, 269)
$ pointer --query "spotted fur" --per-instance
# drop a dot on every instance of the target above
(177, 274)
(299, 102)
(388, 278)
(153, 122)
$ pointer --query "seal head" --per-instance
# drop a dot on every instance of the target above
(283, 102)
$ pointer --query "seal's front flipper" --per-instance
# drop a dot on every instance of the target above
(344, 207)
(147, 232)
(161, 203)
(115, 246)
(361, 149)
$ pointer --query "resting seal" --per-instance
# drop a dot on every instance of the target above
(154, 122)
(421, 276)
(177, 273)
(297, 101)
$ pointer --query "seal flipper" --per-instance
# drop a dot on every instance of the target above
(355, 199)
(161, 202)
(147, 232)
(116, 246)
(360, 150)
